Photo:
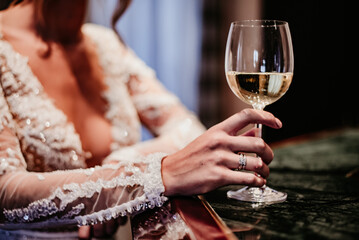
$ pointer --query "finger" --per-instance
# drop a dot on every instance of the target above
(252, 132)
(239, 120)
(84, 232)
(251, 145)
(99, 230)
(254, 164)
(244, 178)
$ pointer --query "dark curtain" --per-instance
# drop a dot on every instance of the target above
(211, 69)
(324, 92)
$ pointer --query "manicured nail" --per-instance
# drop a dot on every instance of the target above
(278, 122)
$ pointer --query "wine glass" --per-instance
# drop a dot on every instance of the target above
(259, 66)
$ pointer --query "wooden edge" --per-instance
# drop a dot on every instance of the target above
(226, 230)
(200, 217)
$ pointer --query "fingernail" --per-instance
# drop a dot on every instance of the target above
(278, 122)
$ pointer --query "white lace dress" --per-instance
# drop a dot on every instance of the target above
(43, 179)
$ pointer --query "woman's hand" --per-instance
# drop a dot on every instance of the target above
(208, 162)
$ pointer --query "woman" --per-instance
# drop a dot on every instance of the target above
(72, 99)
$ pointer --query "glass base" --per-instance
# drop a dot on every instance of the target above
(263, 195)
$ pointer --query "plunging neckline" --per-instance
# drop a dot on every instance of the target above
(120, 130)
(61, 104)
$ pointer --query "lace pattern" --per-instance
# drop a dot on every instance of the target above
(37, 137)
(162, 223)
(69, 193)
(42, 129)
(117, 69)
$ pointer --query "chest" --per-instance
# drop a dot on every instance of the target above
(76, 84)
(72, 75)
(73, 78)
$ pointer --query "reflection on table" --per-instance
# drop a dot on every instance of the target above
(181, 218)
(320, 174)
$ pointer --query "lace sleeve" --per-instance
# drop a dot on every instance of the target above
(160, 111)
(172, 124)
(81, 196)
(11, 158)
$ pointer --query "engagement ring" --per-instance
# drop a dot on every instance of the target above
(242, 162)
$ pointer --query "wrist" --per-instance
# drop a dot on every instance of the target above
(166, 177)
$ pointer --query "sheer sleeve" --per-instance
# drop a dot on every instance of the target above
(173, 125)
(159, 110)
(80, 196)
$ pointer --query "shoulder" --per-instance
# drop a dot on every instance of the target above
(112, 50)
(92, 28)
(102, 35)
(4, 45)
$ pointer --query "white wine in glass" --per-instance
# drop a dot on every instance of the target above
(259, 65)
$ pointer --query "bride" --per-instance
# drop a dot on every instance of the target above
(72, 99)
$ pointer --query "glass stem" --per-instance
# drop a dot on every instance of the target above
(259, 132)
(258, 125)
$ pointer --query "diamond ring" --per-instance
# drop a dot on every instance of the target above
(242, 162)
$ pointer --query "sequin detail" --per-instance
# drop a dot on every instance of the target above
(39, 138)
(40, 208)
(151, 181)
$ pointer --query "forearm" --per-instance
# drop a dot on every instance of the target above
(81, 196)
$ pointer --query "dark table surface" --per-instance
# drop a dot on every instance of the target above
(321, 177)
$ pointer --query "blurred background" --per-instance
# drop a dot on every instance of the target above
(184, 42)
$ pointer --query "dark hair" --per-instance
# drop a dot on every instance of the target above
(121, 7)
(5, 4)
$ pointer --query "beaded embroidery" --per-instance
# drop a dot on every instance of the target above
(69, 193)
(46, 142)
